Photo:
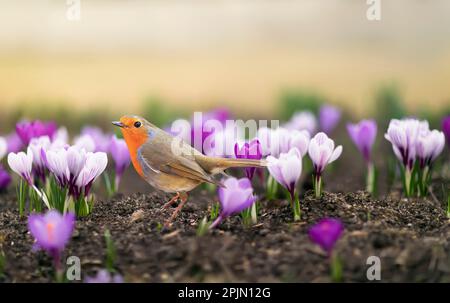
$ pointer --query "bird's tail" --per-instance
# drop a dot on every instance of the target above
(228, 163)
(217, 165)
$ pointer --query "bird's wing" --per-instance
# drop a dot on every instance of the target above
(158, 155)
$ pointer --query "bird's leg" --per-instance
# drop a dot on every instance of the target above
(172, 201)
(183, 197)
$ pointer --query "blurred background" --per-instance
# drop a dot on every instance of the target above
(260, 58)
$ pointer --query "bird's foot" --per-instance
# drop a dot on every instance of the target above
(171, 201)
(183, 198)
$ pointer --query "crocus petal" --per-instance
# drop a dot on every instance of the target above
(95, 165)
(3, 147)
(322, 152)
(76, 159)
(37, 145)
(363, 135)
(287, 169)
(326, 233)
(329, 117)
(446, 128)
(404, 135)
(275, 170)
(314, 152)
(250, 150)
(22, 164)
(15, 144)
(5, 178)
(120, 154)
(236, 196)
(300, 140)
(302, 121)
(101, 140)
(85, 142)
(51, 231)
(429, 145)
(336, 154)
(61, 135)
(57, 164)
(28, 130)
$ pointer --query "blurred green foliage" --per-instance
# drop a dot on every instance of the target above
(434, 117)
(299, 100)
(157, 112)
(389, 104)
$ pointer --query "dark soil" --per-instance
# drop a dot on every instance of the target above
(411, 237)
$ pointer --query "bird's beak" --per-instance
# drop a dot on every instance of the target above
(118, 123)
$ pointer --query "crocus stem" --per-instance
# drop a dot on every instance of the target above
(110, 186)
(408, 178)
(41, 195)
(117, 182)
(318, 185)
(59, 274)
(272, 187)
(296, 207)
(371, 178)
(335, 268)
(424, 175)
(254, 215)
(202, 227)
(216, 222)
(22, 190)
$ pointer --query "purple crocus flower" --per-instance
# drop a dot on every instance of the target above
(282, 140)
(446, 128)
(121, 156)
(403, 136)
(269, 140)
(51, 232)
(326, 233)
(5, 179)
(299, 140)
(429, 145)
(87, 143)
(304, 120)
(363, 134)
(219, 143)
(286, 169)
(61, 136)
(14, 142)
(95, 165)
(39, 146)
(103, 276)
(22, 164)
(236, 196)
(329, 117)
(322, 152)
(199, 125)
(56, 160)
(250, 150)
(100, 139)
(27, 130)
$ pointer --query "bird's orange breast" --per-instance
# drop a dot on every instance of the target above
(134, 142)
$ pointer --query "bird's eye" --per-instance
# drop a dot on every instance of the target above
(137, 124)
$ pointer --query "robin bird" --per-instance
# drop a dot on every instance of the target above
(172, 167)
